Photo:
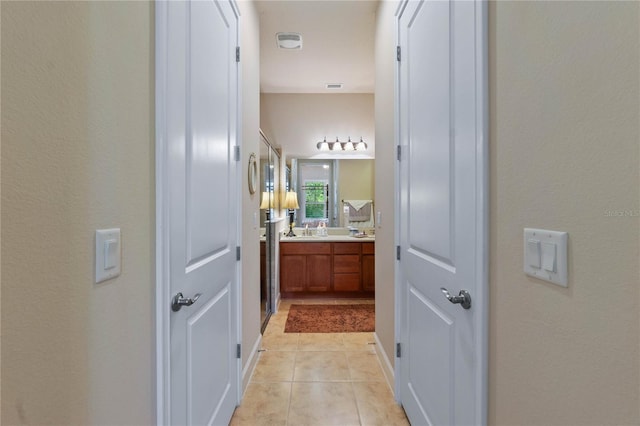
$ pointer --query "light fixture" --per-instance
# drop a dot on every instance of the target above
(342, 146)
(291, 203)
(323, 146)
(267, 204)
(348, 146)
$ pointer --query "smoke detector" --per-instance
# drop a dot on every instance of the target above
(289, 41)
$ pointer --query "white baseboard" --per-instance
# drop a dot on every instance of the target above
(247, 371)
(387, 368)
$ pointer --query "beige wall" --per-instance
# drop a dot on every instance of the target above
(250, 144)
(355, 182)
(297, 122)
(564, 142)
(385, 175)
(77, 155)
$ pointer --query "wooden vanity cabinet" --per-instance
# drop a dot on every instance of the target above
(336, 269)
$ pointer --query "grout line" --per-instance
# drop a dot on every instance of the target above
(355, 398)
(286, 420)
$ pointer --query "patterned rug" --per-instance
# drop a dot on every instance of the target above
(330, 318)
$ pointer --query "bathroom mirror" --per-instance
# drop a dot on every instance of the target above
(323, 185)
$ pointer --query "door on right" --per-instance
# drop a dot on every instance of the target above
(443, 199)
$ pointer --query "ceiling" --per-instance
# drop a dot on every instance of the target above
(337, 46)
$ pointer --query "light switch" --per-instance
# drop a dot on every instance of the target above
(550, 264)
(533, 253)
(549, 257)
(108, 253)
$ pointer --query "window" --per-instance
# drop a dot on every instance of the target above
(316, 188)
(316, 200)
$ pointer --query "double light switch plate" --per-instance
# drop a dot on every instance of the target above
(545, 255)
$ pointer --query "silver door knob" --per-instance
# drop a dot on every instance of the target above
(179, 301)
(463, 298)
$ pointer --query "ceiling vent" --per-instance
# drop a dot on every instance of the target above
(289, 41)
(334, 86)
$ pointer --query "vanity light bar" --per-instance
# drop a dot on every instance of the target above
(341, 146)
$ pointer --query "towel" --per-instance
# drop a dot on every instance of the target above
(359, 210)
(358, 204)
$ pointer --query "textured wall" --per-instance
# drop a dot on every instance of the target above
(385, 175)
(250, 63)
(77, 131)
(564, 150)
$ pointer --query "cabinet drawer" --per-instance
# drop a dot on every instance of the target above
(305, 248)
(346, 263)
(346, 248)
(368, 248)
(346, 282)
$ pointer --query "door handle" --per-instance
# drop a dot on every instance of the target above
(179, 301)
(463, 298)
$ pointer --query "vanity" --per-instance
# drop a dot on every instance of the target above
(334, 266)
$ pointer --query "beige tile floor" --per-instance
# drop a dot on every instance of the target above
(317, 379)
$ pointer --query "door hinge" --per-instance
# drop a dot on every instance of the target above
(239, 351)
(236, 152)
(398, 54)
(397, 252)
(237, 53)
(238, 252)
(399, 152)
(398, 350)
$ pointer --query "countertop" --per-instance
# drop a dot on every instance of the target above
(330, 238)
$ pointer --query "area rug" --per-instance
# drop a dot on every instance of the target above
(330, 318)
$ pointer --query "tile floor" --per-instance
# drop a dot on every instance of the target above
(317, 379)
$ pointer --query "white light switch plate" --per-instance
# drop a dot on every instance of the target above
(558, 273)
(108, 254)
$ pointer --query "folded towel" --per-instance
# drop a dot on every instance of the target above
(360, 212)
(357, 204)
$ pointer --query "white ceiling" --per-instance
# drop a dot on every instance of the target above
(337, 46)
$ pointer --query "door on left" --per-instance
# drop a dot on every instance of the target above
(197, 125)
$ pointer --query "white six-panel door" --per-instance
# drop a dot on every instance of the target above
(443, 190)
(198, 90)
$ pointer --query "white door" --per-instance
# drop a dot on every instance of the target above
(198, 69)
(443, 199)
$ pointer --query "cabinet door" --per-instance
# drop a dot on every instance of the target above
(318, 272)
(346, 282)
(368, 272)
(293, 271)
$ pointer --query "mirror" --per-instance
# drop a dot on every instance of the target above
(323, 185)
